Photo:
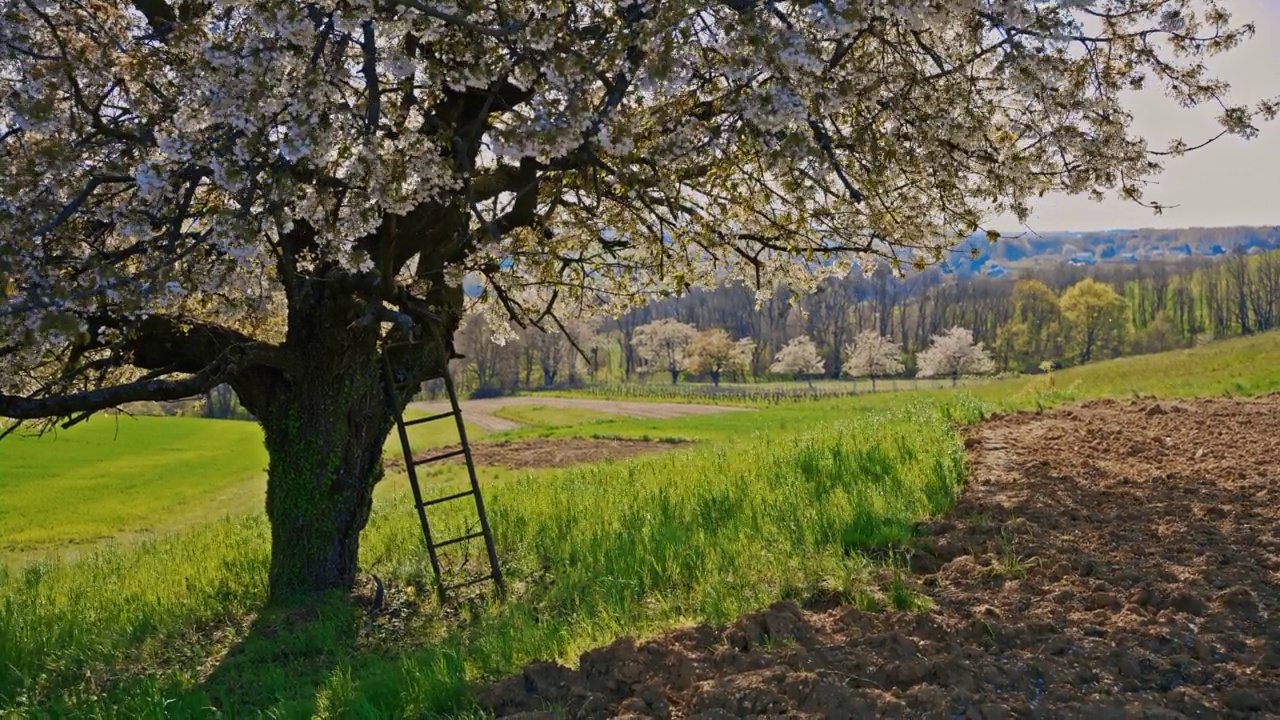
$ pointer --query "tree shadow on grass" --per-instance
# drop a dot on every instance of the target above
(294, 660)
(357, 655)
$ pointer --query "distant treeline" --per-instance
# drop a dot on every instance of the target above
(1032, 316)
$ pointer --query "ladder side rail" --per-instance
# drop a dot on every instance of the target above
(398, 417)
(475, 485)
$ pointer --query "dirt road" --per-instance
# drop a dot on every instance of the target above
(480, 412)
(1112, 560)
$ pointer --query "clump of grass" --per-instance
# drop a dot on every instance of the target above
(903, 597)
(1011, 564)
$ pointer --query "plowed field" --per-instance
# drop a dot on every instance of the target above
(1112, 559)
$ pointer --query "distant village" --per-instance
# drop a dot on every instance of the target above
(978, 256)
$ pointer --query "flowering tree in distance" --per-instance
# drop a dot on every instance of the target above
(714, 353)
(872, 355)
(952, 354)
(663, 345)
(799, 357)
(281, 195)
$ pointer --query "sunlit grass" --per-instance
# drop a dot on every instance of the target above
(701, 534)
(116, 477)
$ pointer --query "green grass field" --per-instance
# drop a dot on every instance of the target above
(779, 502)
(121, 476)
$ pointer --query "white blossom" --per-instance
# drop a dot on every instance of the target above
(953, 354)
(798, 357)
(873, 355)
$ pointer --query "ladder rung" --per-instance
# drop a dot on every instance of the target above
(456, 540)
(447, 498)
(473, 581)
(429, 418)
(441, 456)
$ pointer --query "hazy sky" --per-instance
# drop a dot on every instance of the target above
(1231, 182)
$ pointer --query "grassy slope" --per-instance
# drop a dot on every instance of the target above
(1243, 366)
(112, 477)
(121, 478)
(767, 510)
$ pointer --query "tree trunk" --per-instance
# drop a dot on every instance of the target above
(324, 426)
(324, 439)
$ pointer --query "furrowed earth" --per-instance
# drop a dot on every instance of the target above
(1108, 559)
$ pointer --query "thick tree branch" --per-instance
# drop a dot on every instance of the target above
(89, 401)
(162, 341)
(373, 93)
(159, 13)
(75, 203)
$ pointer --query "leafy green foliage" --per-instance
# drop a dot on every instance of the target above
(1097, 320)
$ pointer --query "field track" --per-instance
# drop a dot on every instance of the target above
(1111, 559)
(480, 412)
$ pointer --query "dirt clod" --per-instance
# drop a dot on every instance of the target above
(1107, 561)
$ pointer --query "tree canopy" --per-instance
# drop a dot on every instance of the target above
(1036, 332)
(202, 160)
(714, 353)
(952, 354)
(799, 357)
(1096, 317)
(872, 355)
(664, 346)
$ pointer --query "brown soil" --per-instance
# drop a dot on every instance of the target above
(547, 452)
(1114, 559)
(480, 412)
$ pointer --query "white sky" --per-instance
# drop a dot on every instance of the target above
(1230, 182)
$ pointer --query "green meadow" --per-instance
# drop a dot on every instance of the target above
(783, 501)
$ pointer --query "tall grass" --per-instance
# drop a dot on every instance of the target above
(630, 547)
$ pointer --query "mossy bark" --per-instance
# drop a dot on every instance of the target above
(325, 426)
(324, 440)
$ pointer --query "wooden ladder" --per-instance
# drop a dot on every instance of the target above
(412, 463)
